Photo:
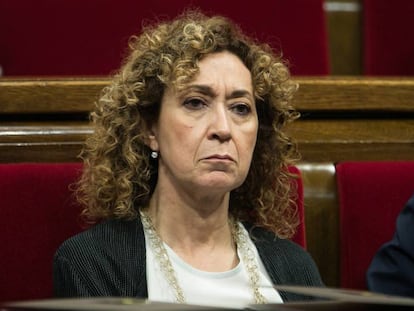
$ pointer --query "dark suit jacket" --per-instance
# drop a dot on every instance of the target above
(109, 259)
(392, 269)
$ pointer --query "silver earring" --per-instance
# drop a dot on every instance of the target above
(154, 154)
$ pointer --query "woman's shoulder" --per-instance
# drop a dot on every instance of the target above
(107, 259)
(285, 261)
(108, 236)
(288, 259)
(268, 239)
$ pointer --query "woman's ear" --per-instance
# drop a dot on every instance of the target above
(152, 141)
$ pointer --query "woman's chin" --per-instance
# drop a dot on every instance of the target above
(218, 183)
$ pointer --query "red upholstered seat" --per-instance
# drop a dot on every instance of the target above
(371, 194)
(388, 44)
(77, 37)
(37, 213)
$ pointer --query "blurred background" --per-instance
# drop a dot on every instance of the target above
(317, 37)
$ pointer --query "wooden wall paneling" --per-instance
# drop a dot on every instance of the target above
(322, 215)
(344, 23)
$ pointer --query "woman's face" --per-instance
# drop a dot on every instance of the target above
(207, 132)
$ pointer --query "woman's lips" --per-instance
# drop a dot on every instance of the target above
(219, 157)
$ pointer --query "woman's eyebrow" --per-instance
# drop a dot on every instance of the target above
(209, 91)
(240, 93)
(201, 88)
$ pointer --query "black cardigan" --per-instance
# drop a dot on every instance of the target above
(109, 259)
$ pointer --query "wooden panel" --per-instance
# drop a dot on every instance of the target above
(344, 139)
(321, 215)
(356, 152)
(42, 142)
(315, 94)
(362, 118)
(40, 152)
(44, 132)
(344, 20)
(58, 95)
(355, 94)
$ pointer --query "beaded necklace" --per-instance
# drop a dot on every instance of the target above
(163, 259)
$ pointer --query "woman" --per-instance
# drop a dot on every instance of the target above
(188, 144)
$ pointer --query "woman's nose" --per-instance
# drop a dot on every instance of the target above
(220, 127)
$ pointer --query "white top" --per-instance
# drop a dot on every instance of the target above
(221, 289)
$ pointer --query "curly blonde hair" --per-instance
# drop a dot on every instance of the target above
(119, 176)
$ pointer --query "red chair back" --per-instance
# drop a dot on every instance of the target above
(77, 37)
(371, 195)
(37, 213)
(388, 47)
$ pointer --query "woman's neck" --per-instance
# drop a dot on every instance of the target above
(198, 231)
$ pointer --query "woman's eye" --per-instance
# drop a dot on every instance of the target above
(194, 103)
(241, 109)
